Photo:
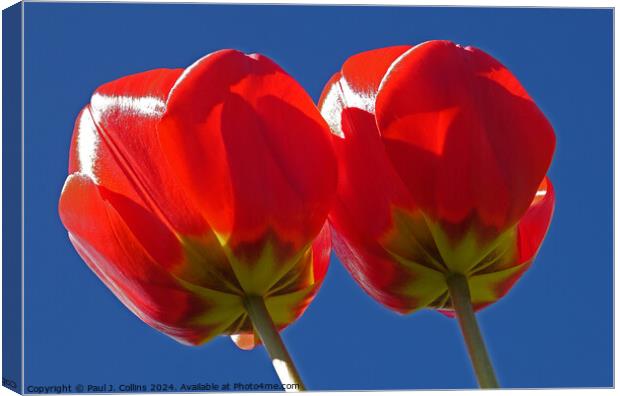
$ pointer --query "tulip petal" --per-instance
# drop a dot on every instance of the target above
(233, 131)
(122, 262)
(374, 218)
(364, 168)
(357, 84)
(530, 233)
(374, 270)
(111, 240)
(364, 71)
(115, 142)
(368, 187)
(535, 223)
(253, 123)
(463, 135)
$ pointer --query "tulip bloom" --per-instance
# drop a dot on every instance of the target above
(191, 192)
(442, 158)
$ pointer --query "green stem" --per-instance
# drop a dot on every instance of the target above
(268, 333)
(461, 302)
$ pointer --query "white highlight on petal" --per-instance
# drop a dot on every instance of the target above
(87, 144)
(341, 96)
(145, 105)
(357, 99)
(88, 138)
(64, 186)
(331, 110)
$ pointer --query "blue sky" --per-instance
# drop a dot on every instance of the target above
(553, 329)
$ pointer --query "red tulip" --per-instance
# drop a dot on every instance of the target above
(442, 158)
(190, 190)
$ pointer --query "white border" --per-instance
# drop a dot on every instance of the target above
(441, 3)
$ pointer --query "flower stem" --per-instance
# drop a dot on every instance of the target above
(461, 302)
(268, 333)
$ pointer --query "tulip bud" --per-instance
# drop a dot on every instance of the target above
(442, 158)
(190, 190)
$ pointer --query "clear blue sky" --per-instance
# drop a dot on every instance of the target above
(553, 329)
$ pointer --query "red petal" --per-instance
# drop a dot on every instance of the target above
(132, 266)
(368, 187)
(374, 270)
(321, 249)
(463, 134)
(115, 142)
(364, 71)
(248, 144)
(534, 224)
(356, 86)
(531, 232)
